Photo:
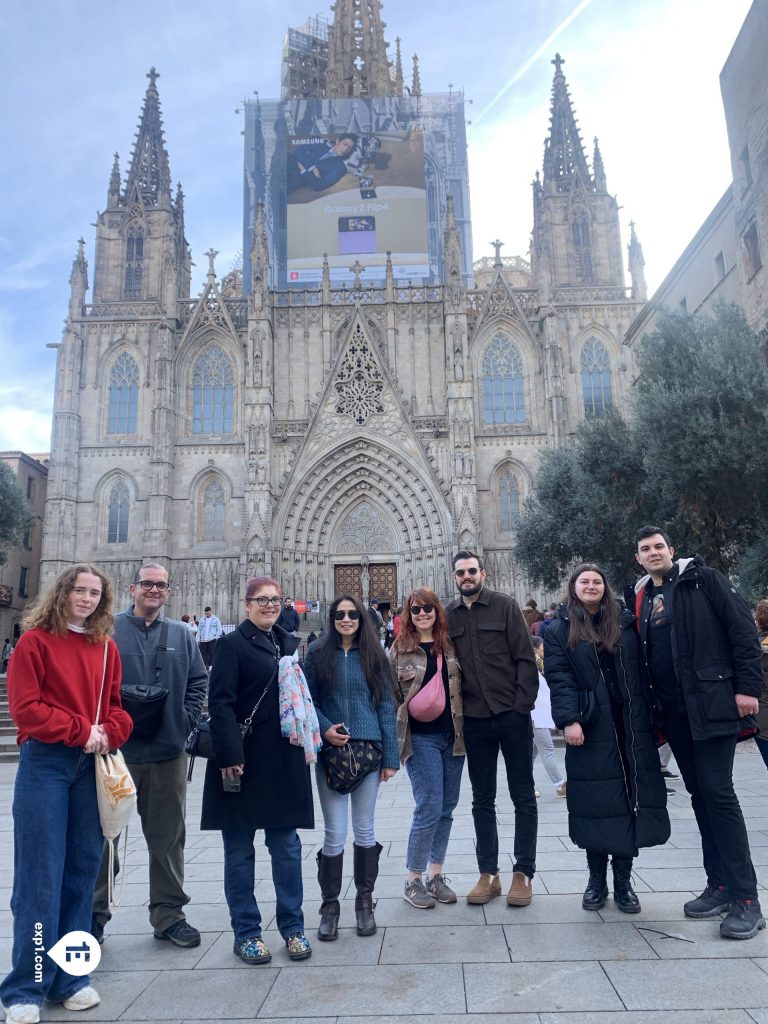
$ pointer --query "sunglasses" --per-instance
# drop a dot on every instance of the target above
(149, 584)
(466, 572)
(417, 609)
(262, 602)
(339, 616)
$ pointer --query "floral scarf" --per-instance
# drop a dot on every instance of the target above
(298, 718)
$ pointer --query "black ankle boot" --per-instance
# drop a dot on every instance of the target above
(329, 871)
(623, 894)
(596, 892)
(366, 865)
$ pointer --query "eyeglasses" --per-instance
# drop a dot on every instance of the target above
(339, 616)
(263, 602)
(466, 572)
(149, 584)
(417, 609)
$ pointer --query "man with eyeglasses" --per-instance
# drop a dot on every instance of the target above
(499, 688)
(158, 651)
(208, 632)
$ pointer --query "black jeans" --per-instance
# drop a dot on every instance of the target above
(707, 770)
(510, 732)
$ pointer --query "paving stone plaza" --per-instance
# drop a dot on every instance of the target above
(550, 963)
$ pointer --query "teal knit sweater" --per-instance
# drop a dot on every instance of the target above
(351, 704)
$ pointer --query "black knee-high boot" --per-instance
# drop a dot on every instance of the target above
(366, 866)
(329, 871)
(623, 893)
(596, 892)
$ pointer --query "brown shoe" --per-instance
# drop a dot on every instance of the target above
(519, 894)
(486, 888)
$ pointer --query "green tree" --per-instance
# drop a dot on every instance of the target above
(691, 458)
(15, 516)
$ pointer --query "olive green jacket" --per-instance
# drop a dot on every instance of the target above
(409, 668)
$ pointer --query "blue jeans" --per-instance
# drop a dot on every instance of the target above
(57, 852)
(336, 814)
(435, 776)
(284, 848)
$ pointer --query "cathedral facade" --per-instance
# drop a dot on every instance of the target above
(336, 437)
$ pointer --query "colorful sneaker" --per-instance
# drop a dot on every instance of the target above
(713, 901)
(83, 999)
(252, 951)
(415, 894)
(22, 1013)
(438, 887)
(298, 946)
(743, 921)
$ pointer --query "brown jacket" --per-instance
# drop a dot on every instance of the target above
(409, 668)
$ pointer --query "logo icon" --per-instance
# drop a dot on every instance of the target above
(76, 953)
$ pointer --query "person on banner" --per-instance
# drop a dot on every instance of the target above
(318, 165)
(55, 683)
(430, 727)
(616, 794)
(259, 779)
(352, 687)
(161, 652)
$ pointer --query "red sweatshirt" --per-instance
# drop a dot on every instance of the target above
(53, 689)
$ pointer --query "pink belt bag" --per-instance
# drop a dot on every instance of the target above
(429, 702)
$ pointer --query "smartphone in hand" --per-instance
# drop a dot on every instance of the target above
(231, 785)
(343, 730)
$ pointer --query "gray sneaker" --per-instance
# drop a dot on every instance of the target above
(415, 894)
(438, 887)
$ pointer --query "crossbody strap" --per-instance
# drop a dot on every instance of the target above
(162, 648)
(103, 677)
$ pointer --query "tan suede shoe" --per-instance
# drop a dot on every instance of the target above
(485, 889)
(520, 894)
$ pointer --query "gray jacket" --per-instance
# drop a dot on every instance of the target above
(183, 674)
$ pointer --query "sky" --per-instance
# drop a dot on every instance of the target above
(642, 74)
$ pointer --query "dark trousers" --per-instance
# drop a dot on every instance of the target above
(512, 734)
(707, 770)
(207, 650)
(161, 790)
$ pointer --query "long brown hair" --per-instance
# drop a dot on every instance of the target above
(51, 612)
(408, 636)
(602, 629)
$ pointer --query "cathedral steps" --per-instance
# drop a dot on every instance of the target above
(8, 749)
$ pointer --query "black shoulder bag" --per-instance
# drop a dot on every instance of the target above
(145, 702)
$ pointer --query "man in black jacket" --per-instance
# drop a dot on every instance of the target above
(499, 687)
(700, 650)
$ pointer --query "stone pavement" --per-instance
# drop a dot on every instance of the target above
(550, 963)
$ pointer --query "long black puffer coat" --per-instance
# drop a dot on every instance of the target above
(610, 810)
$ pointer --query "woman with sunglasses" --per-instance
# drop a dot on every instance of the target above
(430, 741)
(351, 684)
(258, 780)
(616, 794)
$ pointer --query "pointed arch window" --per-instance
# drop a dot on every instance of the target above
(596, 377)
(582, 250)
(117, 523)
(503, 384)
(134, 262)
(212, 393)
(508, 496)
(213, 512)
(123, 395)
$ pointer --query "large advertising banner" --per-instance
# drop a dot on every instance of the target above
(356, 197)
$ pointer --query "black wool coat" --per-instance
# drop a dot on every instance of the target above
(611, 809)
(276, 791)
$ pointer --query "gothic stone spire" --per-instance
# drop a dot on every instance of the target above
(149, 173)
(636, 266)
(358, 64)
(565, 163)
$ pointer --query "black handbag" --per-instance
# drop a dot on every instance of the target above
(346, 767)
(200, 742)
(145, 702)
(589, 709)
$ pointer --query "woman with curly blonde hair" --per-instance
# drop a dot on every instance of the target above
(430, 740)
(55, 683)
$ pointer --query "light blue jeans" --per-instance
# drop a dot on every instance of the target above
(435, 776)
(336, 812)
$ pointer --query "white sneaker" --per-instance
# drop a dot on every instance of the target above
(83, 1000)
(22, 1013)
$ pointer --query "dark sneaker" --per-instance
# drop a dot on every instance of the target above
(97, 930)
(252, 951)
(298, 946)
(415, 894)
(713, 901)
(180, 934)
(438, 887)
(667, 774)
(743, 921)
